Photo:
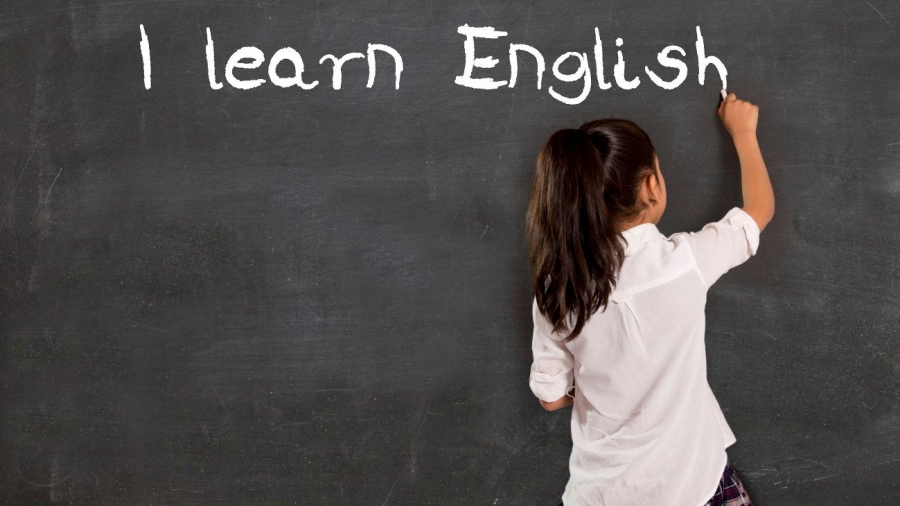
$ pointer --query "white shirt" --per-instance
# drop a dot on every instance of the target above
(646, 427)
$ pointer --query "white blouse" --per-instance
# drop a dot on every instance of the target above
(646, 427)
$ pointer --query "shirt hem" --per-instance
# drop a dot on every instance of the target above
(704, 502)
(730, 441)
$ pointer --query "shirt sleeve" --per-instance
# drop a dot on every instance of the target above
(553, 369)
(724, 244)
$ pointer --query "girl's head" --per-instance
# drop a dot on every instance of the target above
(590, 184)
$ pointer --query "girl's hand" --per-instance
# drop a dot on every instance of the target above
(738, 116)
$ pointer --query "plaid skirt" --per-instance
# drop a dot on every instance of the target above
(730, 491)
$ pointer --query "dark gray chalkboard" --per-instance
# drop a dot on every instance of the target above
(279, 296)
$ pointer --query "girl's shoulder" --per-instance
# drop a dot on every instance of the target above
(658, 262)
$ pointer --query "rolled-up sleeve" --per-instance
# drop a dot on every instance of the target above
(552, 371)
(722, 245)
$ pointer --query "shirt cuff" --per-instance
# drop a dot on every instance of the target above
(739, 218)
(549, 387)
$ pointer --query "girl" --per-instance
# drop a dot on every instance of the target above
(646, 427)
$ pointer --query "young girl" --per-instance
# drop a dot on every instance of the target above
(646, 427)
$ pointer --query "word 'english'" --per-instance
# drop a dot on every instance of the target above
(583, 73)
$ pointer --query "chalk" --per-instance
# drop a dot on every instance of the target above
(724, 95)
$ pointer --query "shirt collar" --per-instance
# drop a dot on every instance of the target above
(636, 236)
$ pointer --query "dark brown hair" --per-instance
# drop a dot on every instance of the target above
(587, 181)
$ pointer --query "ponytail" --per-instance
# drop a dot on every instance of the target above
(586, 181)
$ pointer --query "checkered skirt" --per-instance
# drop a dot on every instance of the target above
(730, 491)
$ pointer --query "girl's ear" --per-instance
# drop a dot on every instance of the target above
(651, 189)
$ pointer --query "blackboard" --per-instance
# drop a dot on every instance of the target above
(288, 296)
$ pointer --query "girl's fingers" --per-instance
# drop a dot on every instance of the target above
(731, 97)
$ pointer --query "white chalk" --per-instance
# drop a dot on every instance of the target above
(724, 95)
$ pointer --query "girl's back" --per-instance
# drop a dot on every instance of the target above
(619, 314)
(644, 418)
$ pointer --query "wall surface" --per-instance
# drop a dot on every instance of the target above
(290, 296)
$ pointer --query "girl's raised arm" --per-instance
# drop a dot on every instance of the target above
(740, 118)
